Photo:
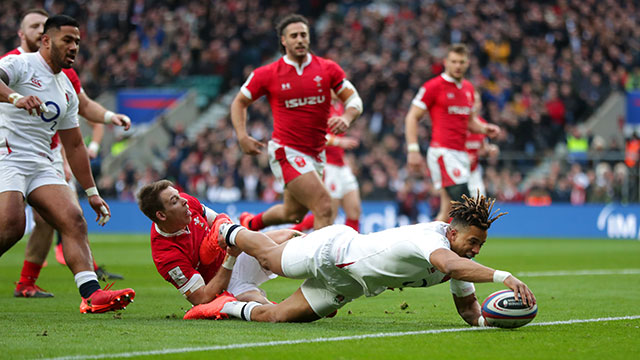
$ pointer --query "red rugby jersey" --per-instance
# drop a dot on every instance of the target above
(473, 144)
(177, 256)
(335, 154)
(300, 99)
(449, 104)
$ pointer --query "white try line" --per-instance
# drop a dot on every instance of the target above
(581, 272)
(319, 340)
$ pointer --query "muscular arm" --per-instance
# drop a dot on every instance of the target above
(77, 156)
(239, 107)
(468, 308)
(411, 124)
(448, 262)
(208, 292)
(94, 113)
(282, 235)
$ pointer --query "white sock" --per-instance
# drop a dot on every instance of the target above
(239, 309)
(229, 232)
(84, 277)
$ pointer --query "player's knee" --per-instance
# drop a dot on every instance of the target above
(323, 210)
(74, 223)
(455, 192)
(12, 231)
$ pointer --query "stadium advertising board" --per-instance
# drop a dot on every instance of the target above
(613, 221)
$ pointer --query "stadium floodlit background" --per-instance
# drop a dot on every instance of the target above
(561, 78)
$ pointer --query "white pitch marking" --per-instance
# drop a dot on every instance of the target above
(319, 340)
(581, 272)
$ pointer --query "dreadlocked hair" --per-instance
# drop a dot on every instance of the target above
(476, 212)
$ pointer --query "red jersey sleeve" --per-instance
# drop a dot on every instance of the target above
(174, 266)
(74, 78)
(337, 75)
(426, 96)
(257, 82)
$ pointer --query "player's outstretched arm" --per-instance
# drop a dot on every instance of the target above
(97, 114)
(239, 107)
(79, 161)
(448, 262)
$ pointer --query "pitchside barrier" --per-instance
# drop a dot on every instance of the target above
(588, 221)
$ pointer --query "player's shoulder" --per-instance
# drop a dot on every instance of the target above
(15, 51)
(466, 84)
(435, 82)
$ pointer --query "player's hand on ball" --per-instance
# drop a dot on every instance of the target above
(520, 290)
(101, 208)
(250, 145)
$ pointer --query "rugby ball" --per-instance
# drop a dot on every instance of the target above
(501, 309)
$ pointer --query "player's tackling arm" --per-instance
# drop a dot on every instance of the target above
(239, 108)
(208, 292)
(448, 262)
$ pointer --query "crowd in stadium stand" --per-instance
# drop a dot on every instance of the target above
(542, 69)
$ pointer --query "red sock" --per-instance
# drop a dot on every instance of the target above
(30, 273)
(255, 223)
(353, 223)
(305, 224)
(95, 266)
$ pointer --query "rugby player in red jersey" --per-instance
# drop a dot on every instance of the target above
(180, 226)
(449, 99)
(338, 178)
(298, 87)
(41, 237)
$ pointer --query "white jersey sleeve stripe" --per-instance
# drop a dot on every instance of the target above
(195, 283)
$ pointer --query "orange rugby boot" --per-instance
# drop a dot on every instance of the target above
(105, 300)
(210, 249)
(30, 291)
(211, 310)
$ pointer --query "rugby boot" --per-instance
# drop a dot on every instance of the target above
(105, 300)
(211, 310)
(209, 249)
(30, 291)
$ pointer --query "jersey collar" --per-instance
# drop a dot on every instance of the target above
(299, 69)
(44, 62)
(177, 233)
(20, 50)
(450, 79)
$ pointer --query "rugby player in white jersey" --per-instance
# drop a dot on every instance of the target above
(37, 100)
(41, 237)
(340, 265)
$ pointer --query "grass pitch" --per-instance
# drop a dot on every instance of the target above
(594, 285)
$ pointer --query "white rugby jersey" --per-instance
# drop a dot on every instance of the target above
(397, 258)
(26, 137)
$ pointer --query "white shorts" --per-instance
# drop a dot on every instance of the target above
(476, 184)
(247, 275)
(287, 163)
(312, 257)
(339, 180)
(27, 176)
(448, 167)
(58, 163)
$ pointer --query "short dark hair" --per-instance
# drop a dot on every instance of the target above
(149, 200)
(57, 21)
(476, 212)
(286, 21)
(458, 48)
(40, 11)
